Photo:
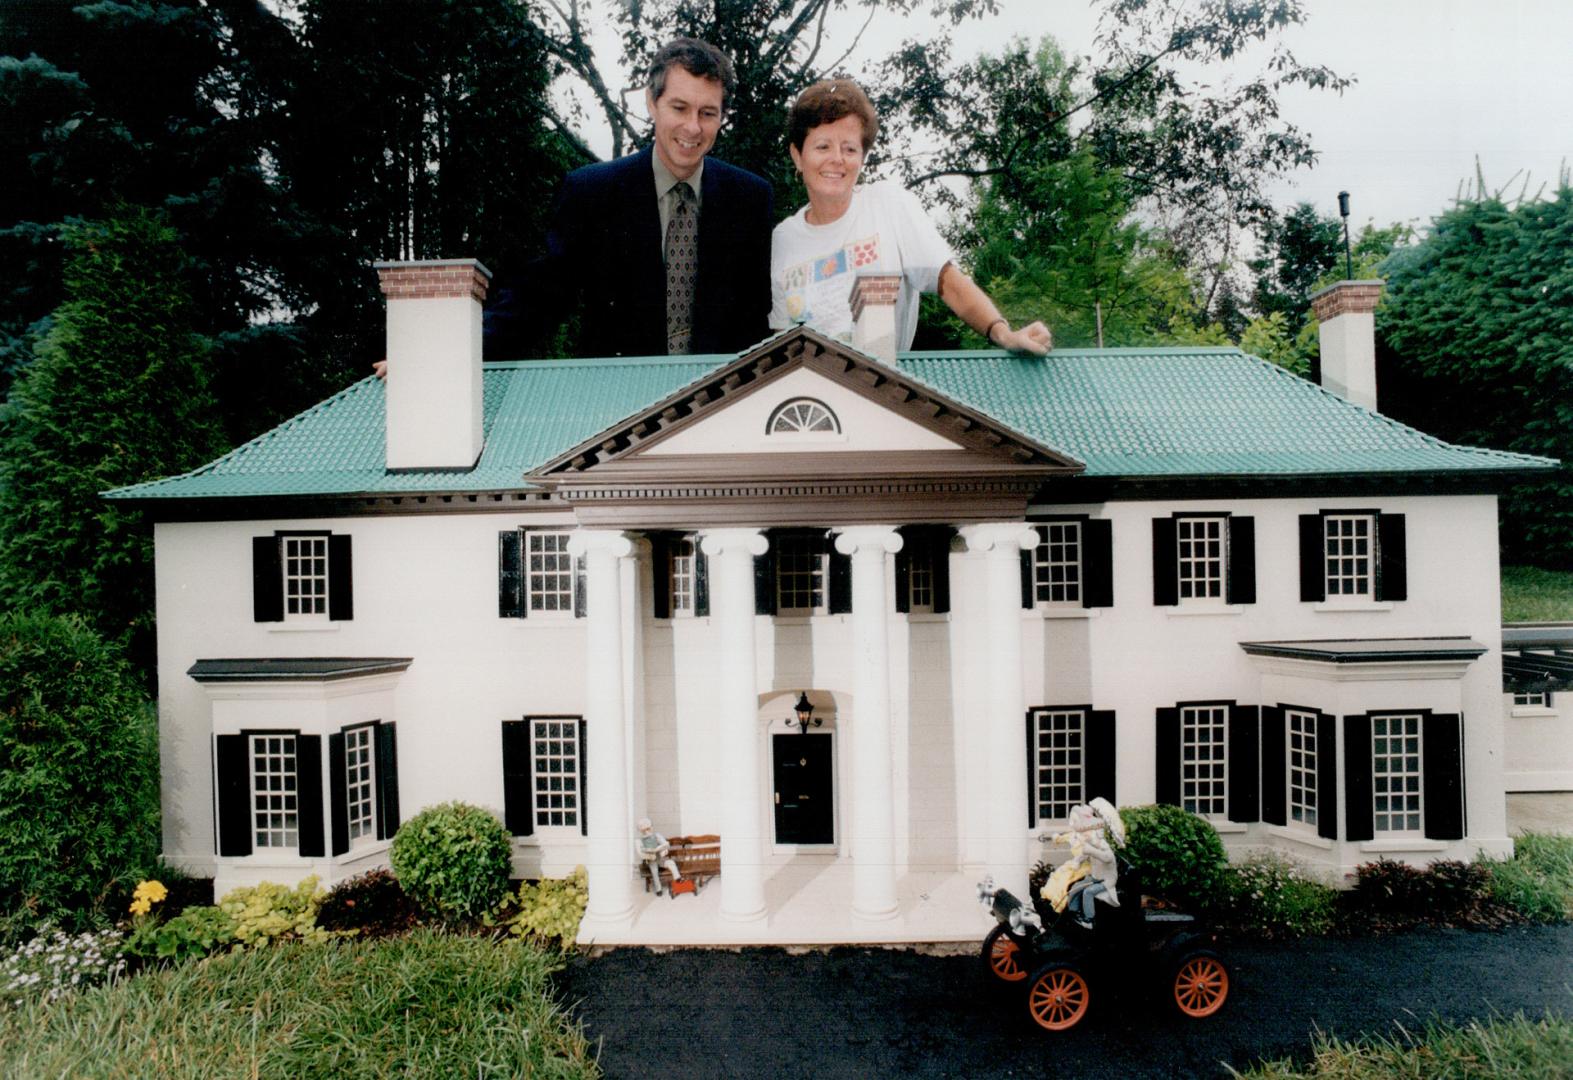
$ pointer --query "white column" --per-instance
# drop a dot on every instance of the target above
(732, 553)
(610, 850)
(1005, 816)
(873, 788)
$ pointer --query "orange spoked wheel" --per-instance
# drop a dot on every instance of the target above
(1003, 956)
(1058, 997)
(1201, 985)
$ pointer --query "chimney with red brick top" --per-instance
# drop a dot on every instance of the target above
(1347, 326)
(433, 385)
(874, 315)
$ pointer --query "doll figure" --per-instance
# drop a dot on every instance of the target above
(655, 852)
(1092, 872)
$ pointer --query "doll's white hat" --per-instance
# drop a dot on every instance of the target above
(1111, 819)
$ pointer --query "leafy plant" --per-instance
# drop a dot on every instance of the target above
(453, 859)
(270, 912)
(1272, 896)
(1391, 895)
(551, 908)
(195, 932)
(1537, 882)
(55, 962)
(372, 904)
(1178, 855)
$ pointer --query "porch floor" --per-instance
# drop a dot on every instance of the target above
(808, 901)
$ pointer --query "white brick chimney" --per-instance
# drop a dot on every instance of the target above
(1348, 339)
(433, 384)
(874, 315)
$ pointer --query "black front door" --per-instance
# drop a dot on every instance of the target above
(802, 789)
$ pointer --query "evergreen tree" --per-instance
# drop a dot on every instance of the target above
(117, 394)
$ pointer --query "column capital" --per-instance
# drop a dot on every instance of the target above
(617, 544)
(850, 538)
(720, 541)
(1012, 536)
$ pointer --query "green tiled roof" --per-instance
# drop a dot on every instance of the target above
(1122, 412)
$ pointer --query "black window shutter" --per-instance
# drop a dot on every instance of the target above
(1327, 776)
(308, 793)
(338, 794)
(234, 794)
(584, 782)
(1166, 569)
(701, 579)
(1241, 563)
(1029, 594)
(1244, 763)
(1097, 565)
(1168, 778)
(939, 551)
(510, 575)
(580, 601)
(1275, 768)
(267, 581)
(661, 574)
(1098, 779)
(341, 579)
(1313, 560)
(1392, 579)
(387, 780)
(1357, 779)
(1032, 769)
(904, 557)
(765, 579)
(1443, 781)
(517, 798)
(839, 600)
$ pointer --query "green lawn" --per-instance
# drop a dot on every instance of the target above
(1530, 594)
(1516, 1049)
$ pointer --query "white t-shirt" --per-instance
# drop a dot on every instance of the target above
(884, 231)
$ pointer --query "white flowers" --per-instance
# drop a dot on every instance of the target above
(54, 962)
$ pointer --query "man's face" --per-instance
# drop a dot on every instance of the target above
(687, 116)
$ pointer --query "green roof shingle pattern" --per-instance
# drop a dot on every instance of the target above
(1122, 412)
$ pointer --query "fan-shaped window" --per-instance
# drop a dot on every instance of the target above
(803, 415)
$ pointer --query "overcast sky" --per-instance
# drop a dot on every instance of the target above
(1439, 82)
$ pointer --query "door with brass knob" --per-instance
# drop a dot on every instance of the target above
(801, 780)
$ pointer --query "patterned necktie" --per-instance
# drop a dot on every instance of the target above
(682, 259)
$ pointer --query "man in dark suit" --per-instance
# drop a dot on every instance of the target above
(667, 250)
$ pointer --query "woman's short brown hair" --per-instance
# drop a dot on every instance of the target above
(828, 101)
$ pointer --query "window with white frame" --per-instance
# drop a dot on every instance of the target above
(682, 554)
(555, 770)
(1201, 557)
(1532, 700)
(920, 579)
(1349, 547)
(1056, 563)
(1204, 759)
(800, 575)
(1395, 774)
(305, 577)
(803, 415)
(1302, 766)
(1059, 761)
(549, 571)
(275, 801)
(360, 782)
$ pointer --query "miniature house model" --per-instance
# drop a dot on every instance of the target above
(581, 592)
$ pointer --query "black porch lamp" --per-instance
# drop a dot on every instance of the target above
(805, 714)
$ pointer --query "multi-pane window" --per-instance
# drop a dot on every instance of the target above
(1349, 554)
(920, 580)
(1302, 766)
(555, 758)
(549, 571)
(1541, 700)
(1203, 759)
(275, 802)
(682, 571)
(360, 782)
(1395, 773)
(305, 576)
(800, 575)
(1201, 555)
(1059, 761)
(803, 414)
(1056, 563)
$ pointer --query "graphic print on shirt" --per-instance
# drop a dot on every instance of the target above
(822, 285)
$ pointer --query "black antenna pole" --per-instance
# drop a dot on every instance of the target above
(1343, 212)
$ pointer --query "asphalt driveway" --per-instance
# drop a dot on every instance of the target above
(863, 1013)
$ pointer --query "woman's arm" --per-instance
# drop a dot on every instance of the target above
(973, 307)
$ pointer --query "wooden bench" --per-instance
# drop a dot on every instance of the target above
(698, 858)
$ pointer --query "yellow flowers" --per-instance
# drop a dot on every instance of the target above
(145, 895)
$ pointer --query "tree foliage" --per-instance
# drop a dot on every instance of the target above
(1477, 325)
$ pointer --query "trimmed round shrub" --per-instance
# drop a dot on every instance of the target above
(453, 860)
(1178, 855)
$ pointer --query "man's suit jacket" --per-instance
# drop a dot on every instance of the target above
(604, 249)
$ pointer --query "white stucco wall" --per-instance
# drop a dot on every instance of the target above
(1539, 745)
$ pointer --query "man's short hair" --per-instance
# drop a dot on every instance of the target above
(828, 101)
(700, 59)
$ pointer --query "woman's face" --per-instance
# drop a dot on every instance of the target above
(831, 158)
